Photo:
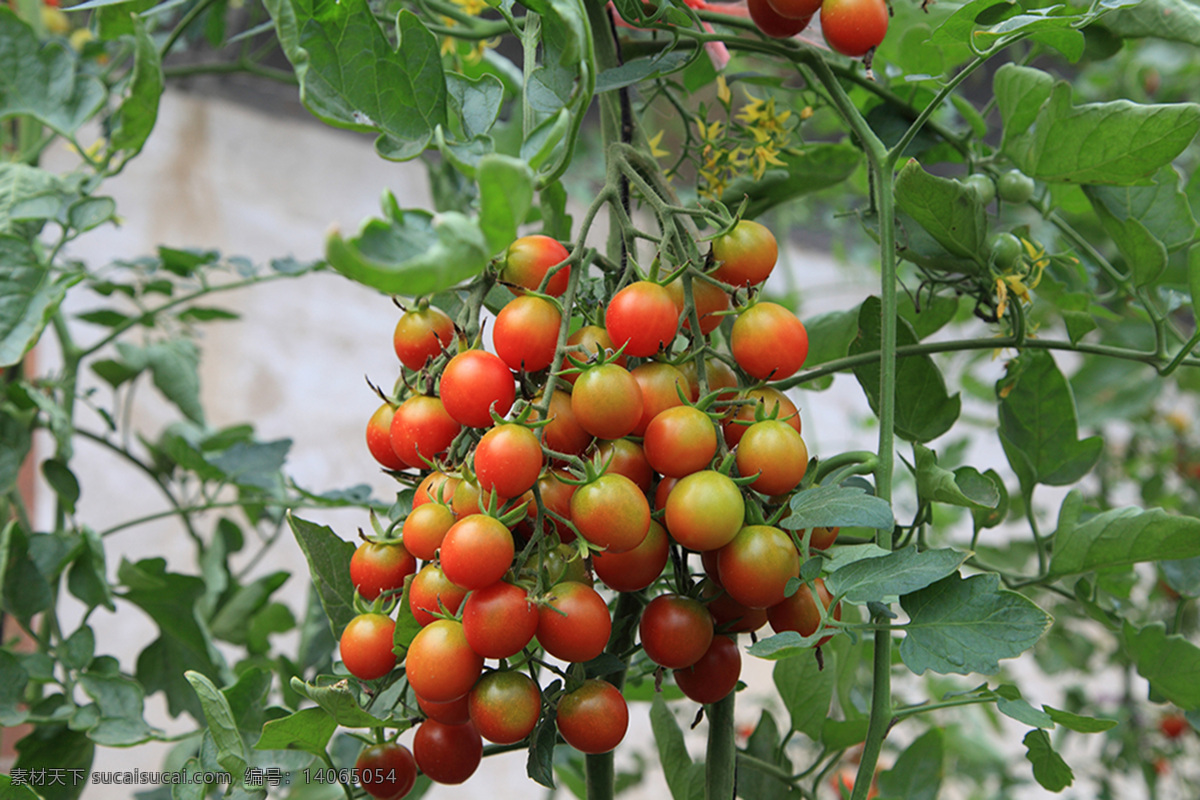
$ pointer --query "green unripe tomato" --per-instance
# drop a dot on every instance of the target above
(983, 186)
(1006, 250)
(1015, 186)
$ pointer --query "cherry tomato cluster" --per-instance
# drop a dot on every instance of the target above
(563, 466)
(851, 27)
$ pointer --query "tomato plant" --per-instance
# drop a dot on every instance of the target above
(448, 754)
(440, 664)
(574, 624)
(378, 567)
(642, 318)
(746, 255)
(387, 771)
(422, 334)
(594, 717)
(675, 630)
(854, 27)
(366, 646)
(505, 706)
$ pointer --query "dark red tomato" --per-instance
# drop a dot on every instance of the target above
(796, 9)
(643, 317)
(474, 384)
(424, 529)
(366, 646)
(508, 460)
(386, 770)
(772, 23)
(728, 614)
(705, 511)
(708, 560)
(454, 712)
(626, 457)
(635, 569)
(436, 486)
(823, 538)
(525, 333)
(574, 625)
(776, 452)
(477, 551)
(1173, 725)
(680, 441)
(747, 254)
(379, 438)
(769, 342)
(854, 27)
(611, 512)
(663, 386)
(499, 620)
(709, 299)
(429, 591)
(593, 341)
(421, 334)
(715, 675)
(593, 718)
(529, 259)
(799, 612)
(756, 566)
(772, 402)
(675, 630)
(505, 706)
(556, 497)
(422, 430)
(440, 664)
(376, 568)
(607, 401)
(562, 433)
(663, 491)
(447, 754)
(719, 374)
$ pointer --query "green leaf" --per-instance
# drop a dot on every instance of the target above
(231, 750)
(1118, 537)
(1170, 662)
(44, 80)
(139, 110)
(174, 365)
(340, 702)
(230, 623)
(505, 197)
(56, 747)
(1048, 766)
(24, 590)
(963, 487)
(28, 194)
(416, 255)
(62, 481)
(29, 296)
(1182, 575)
(1117, 142)
(684, 778)
(788, 644)
(15, 441)
(1173, 20)
(1078, 723)
(120, 701)
(924, 410)
(641, 69)
(840, 734)
(918, 772)
(11, 791)
(539, 765)
(933, 315)
(78, 649)
(948, 209)
(478, 101)
(764, 744)
(309, 730)
(897, 573)
(1161, 207)
(963, 625)
(811, 168)
(13, 679)
(256, 464)
(987, 517)
(328, 557)
(1038, 423)
(837, 506)
(87, 577)
(1145, 255)
(351, 77)
(806, 690)
(1010, 703)
(1193, 273)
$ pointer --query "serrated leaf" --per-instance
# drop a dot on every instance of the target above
(28, 193)
(120, 701)
(328, 557)
(948, 209)
(138, 112)
(964, 625)
(56, 747)
(681, 774)
(1118, 537)
(1161, 207)
(764, 744)
(478, 101)
(897, 573)
(788, 644)
(539, 765)
(29, 296)
(963, 487)
(339, 702)
(256, 464)
(15, 441)
(918, 772)
(837, 506)
(505, 197)
(641, 69)
(1170, 662)
(174, 366)
(1079, 723)
(1049, 769)
(815, 166)
(806, 690)
(231, 750)
(13, 679)
(1172, 20)
(308, 729)
(24, 590)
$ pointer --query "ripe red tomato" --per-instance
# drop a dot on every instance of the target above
(796, 9)
(769, 342)
(705, 511)
(430, 589)
(626, 457)
(529, 259)
(593, 718)
(776, 452)
(663, 386)
(675, 630)
(453, 712)
(386, 770)
(366, 646)
(505, 706)
(440, 664)
(508, 460)
(663, 491)
(474, 384)
(772, 23)
(771, 401)
(799, 612)
(1173, 725)
(525, 333)
(447, 754)
(499, 620)
(574, 625)
(422, 430)
(562, 433)
(747, 254)
(607, 401)
(757, 565)
(680, 441)
(643, 317)
(611, 512)
(379, 438)
(854, 27)
(376, 568)
(424, 529)
(421, 334)
(715, 675)
(635, 569)
(709, 300)
(437, 486)
(477, 551)
(728, 614)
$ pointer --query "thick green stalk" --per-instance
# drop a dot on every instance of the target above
(598, 769)
(720, 766)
